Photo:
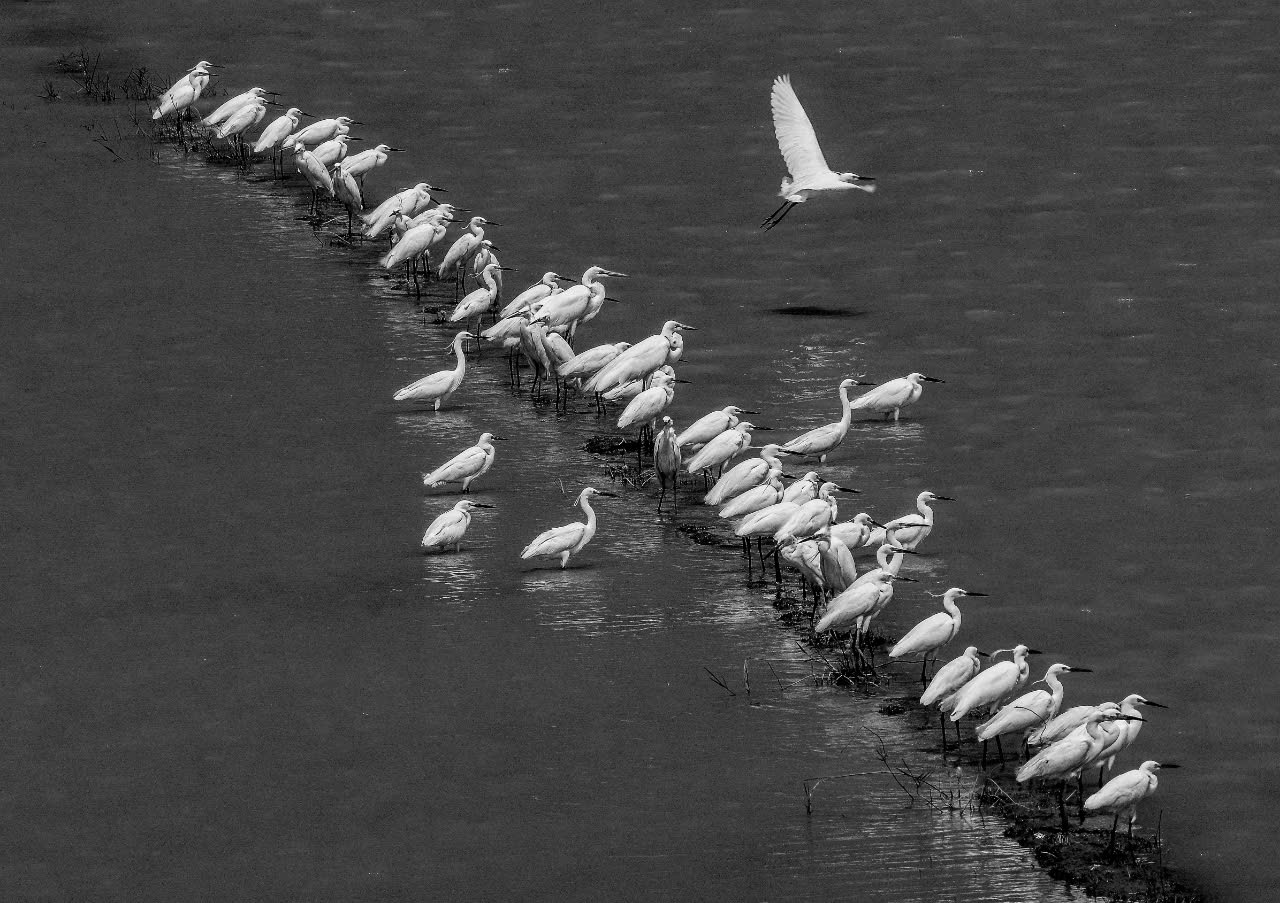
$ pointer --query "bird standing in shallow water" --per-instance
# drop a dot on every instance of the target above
(807, 168)
(440, 385)
(449, 528)
(569, 539)
(465, 466)
(1122, 794)
(891, 397)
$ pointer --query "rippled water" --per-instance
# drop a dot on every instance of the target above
(228, 670)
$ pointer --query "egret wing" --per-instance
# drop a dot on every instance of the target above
(555, 540)
(796, 138)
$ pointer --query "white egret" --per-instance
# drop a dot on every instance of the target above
(889, 557)
(765, 522)
(407, 202)
(413, 244)
(806, 488)
(666, 461)
(439, 386)
(244, 118)
(185, 91)
(544, 288)
(807, 168)
(650, 403)
(360, 164)
(277, 130)
(1060, 725)
(722, 448)
(708, 426)
(1030, 710)
(744, 475)
(853, 533)
(839, 570)
(1124, 733)
(629, 390)
(462, 249)
(993, 685)
(569, 539)
(911, 529)
(641, 359)
(569, 307)
(235, 104)
(587, 362)
(449, 528)
(313, 171)
(935, 631)
(891, 397)
(475, 304)
(813, 515)
(952, 676)
(1122, 794)
(332, 152)
(767, 493)
(823, 440)
(320, 131)
(847, 609)
(468, 465)
(347, 190)
(534, 349)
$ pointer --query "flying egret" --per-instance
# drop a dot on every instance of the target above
(230, 107)
(1028, 711)
(891, 397)
(363, 162)
(438, 386)
(911, 529)
(569, 539)
(744, 475)
(1122, 794)
(320, 131)
(722, 448)
(474, 305)
(823, 440)
(807, 168)
(544, 288)
(997, 683)
(185, 91)
(462, 249)
(666, 461)
(641, 359)
(449, 528)
(935, 631)
(708, 426)
(466, 466)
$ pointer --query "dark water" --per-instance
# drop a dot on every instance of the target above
(227, 672)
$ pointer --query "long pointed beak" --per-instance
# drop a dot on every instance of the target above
(1034, 652)
(943, 498)
(400, 150)
(1074, 669)
(482, 505)
(902, 551)
(1170, 765)
(499, 438)
(908, 579)
(1158, 705)
(490, 222)
(847, 489)
(612, 495)
(967, 593)
(930, 379)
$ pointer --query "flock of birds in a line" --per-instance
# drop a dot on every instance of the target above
(540, 324)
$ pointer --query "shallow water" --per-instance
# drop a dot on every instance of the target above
(228, 670)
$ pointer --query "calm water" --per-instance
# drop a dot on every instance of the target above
(227, 672)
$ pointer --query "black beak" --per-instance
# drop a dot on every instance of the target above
(1033, 651)
(930, 379)
(481, 505)
(499, 438)
(767, 429)
(1084, 670)
(612, 495)
(943, 498)
(687, 382)
(490, 222)
(1170, 765)
(909, 552)
(908, 579)
(847, 489)
(1158, 705)
(400, 150)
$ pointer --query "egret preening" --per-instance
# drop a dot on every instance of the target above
(911, 529)
(708, 426)
(466, 466)
(744, 475)
(1122, 794)
(640, 359)
(230, 107)
(935, 631)
(891, 397)
(825, 439)
(666, 461)
(361, 163)
(807, 169)
(185, 91)
(1029, 711)
(569, 539)
(439, 386)
(449, 528)
(320, 131)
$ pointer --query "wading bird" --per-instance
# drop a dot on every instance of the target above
(666, 461)
(277, 130)
(185, 91)
(823, 440)
(911, 529)
(569, 539)
(1122, 794)
(641, 359)
(935, 631)
(361, 163)
(449, 528)
(476, 304)
(466, 245)
(807, 169)
(891, 397)
(708, 426)
(228, 108)
(544, 288)
(744, 475)
(320, 131)
(722, 448)
(466, 466)
(1028, 711)
(439, 386)
(996, 683)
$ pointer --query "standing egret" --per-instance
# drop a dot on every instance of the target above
(806, 488)
(823, 440)
(476, 304)
(1060, 725)
(320, 131)
(235, 104)
(848, 608)
(889, 557)
(544, 288)
(722, 448)
(1122, 794)
(314, 172)
(1124, 733)
(462, 249)
(891, 397)
(1028, 711)
(438, 386)
(185, 91)
(449, 528)
(413, 246)
(650, 403)
(277, 130)
(766, 521)
(410, 202)
(240, 121)
(332, 152)
(933, 632)
(744, 475)
(807, 168)
(911, 529)
(812, 516)
(569, 539)
(361, 163)
(998, 682)
(571, 306)
(641, 359)
(585, 363)
(466, 466)
(347, 190)
(952, 676)
(769, 492)
(839, 570)
(708, 426)
(666, 461)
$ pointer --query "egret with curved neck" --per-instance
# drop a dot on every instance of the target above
(569, 539)
(440, 385)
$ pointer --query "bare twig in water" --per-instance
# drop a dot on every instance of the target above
(718, 680)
